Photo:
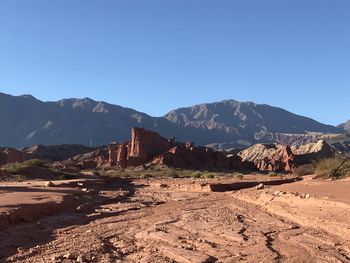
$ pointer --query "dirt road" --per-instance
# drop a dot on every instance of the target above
(161, 221)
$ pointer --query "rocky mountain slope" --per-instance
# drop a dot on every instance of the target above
(242, 123)
(26, 121)
(345, 126)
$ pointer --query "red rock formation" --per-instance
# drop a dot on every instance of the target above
(148, 147)
(143, 147)
(122, 155)
(89, 164)
(112, 152)
(147, 144)
(270, 157)
(200, 158)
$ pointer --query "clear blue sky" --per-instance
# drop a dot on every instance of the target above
(157, 55)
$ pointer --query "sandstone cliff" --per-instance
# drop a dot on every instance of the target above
(270, 157)
(311, 152)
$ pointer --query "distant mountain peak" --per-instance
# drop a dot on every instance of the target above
(345, 126)
(27, 96)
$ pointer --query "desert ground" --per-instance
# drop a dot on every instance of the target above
(95, 219)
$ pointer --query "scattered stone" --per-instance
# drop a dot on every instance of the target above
(56, 257)
(307, 196)
(294, 227)
(80, 259)
(27, 219)
(303, 196)
(49, 184)
(93, 191)
(162, 185)
(260, 186)
(276, 193)
(87, 208)
(20, 250)
(69, 256)
(84, 189)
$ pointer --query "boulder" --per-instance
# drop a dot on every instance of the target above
(260, 186)
(87, 208)
(49, 184)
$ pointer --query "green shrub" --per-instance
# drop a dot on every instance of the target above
(16, 167)
(145, 176)
(208, 175)
(237, 175)
(112, 173)
(196, 175)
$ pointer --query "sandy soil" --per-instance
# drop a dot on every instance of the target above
(177, 220)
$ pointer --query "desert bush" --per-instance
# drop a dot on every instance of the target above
(16, 167)
(341, 171)
(237, 175)
(325, 167)
(196, 175)
(173, 174)
(208, 175)
(145, 176)
(303, 170)
(335, 168)
(112, 173)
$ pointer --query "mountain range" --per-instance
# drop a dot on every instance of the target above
(26, 120)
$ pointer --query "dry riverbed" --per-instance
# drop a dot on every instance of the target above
(175, 220)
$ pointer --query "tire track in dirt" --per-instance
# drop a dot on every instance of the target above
(161, 225)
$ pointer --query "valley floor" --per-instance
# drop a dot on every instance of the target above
(174, 220)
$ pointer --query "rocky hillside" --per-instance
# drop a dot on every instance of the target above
(345, 126)
(241, 123)
(26, 121)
